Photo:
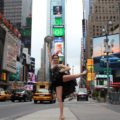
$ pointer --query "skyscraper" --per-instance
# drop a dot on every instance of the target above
(56, 28)
(17, 10)
(1, 6)
(13, 12)
(101, 11)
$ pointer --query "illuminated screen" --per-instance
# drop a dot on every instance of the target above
(57, 10)
(58, 21)
(100, 58)
(98, 44)
(58, 31)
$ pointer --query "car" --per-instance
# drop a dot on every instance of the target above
(21, 95)
(82, 94)
(4, 95)
(43, 95)
(113, 61)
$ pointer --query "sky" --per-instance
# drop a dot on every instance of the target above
(73, 31)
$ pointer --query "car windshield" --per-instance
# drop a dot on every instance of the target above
(19, 91)
(83, 90)
(110, 56)
(43, 91)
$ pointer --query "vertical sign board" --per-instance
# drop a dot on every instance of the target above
(90, 68)
(10, 53)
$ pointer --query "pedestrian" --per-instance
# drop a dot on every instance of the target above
(59, 77)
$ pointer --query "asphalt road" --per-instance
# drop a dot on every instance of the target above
(83, 110)
(10, 110)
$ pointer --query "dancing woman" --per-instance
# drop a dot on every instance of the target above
(58, 79)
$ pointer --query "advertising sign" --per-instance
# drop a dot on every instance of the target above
(26, 42)
(57, 10)
(26, 32)
(31, 77)
(58, 31)
(59, 48)
(100, 58)
(18, 49)
(16, 76)
(58, 21)
(98, 44)
(10, 53)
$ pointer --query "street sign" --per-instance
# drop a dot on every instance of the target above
(109, 71)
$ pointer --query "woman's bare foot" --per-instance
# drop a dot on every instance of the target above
(61, 118)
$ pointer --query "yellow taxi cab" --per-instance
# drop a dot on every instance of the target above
(42, 95)
(4, 95)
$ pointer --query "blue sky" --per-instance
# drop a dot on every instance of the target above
(73, 33)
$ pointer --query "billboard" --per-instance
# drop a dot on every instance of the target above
(98, 44)
(59, 46)
(10, 53)
(58, 21)
(58, 31)
(26, 32)
(57, 10)
(16, 76)
(31, 77)
(100, 58)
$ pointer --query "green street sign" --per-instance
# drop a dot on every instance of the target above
(109, 71)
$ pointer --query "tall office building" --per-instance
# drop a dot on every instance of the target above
(100, 12)
(17, 10)
(56, 28)
(52, 4)
(1, 6)
(13, 11)
(26, 10)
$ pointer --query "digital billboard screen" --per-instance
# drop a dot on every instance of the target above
(57, 10)
(100, 57)
(98, 44)
(58, 31)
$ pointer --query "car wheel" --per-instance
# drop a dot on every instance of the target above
(78, 98)
(87, 99)
(35, 101)
(54, 101)
(30, 99)
(25, 99)
(13, 100)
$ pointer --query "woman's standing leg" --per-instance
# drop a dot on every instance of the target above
(59, 90)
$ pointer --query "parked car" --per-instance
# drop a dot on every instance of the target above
(42, 95)
(82, 94)
(21, 94)
(113, 61)
(4, 95)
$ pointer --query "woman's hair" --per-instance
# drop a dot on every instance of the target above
(55, 56)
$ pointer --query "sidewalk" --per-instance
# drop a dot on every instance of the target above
(50, 114)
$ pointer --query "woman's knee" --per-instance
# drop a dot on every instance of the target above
(59, 99)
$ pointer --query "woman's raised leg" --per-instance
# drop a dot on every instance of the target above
(67, 78)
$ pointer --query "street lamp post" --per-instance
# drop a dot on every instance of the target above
(107, 50)
(48, 39)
